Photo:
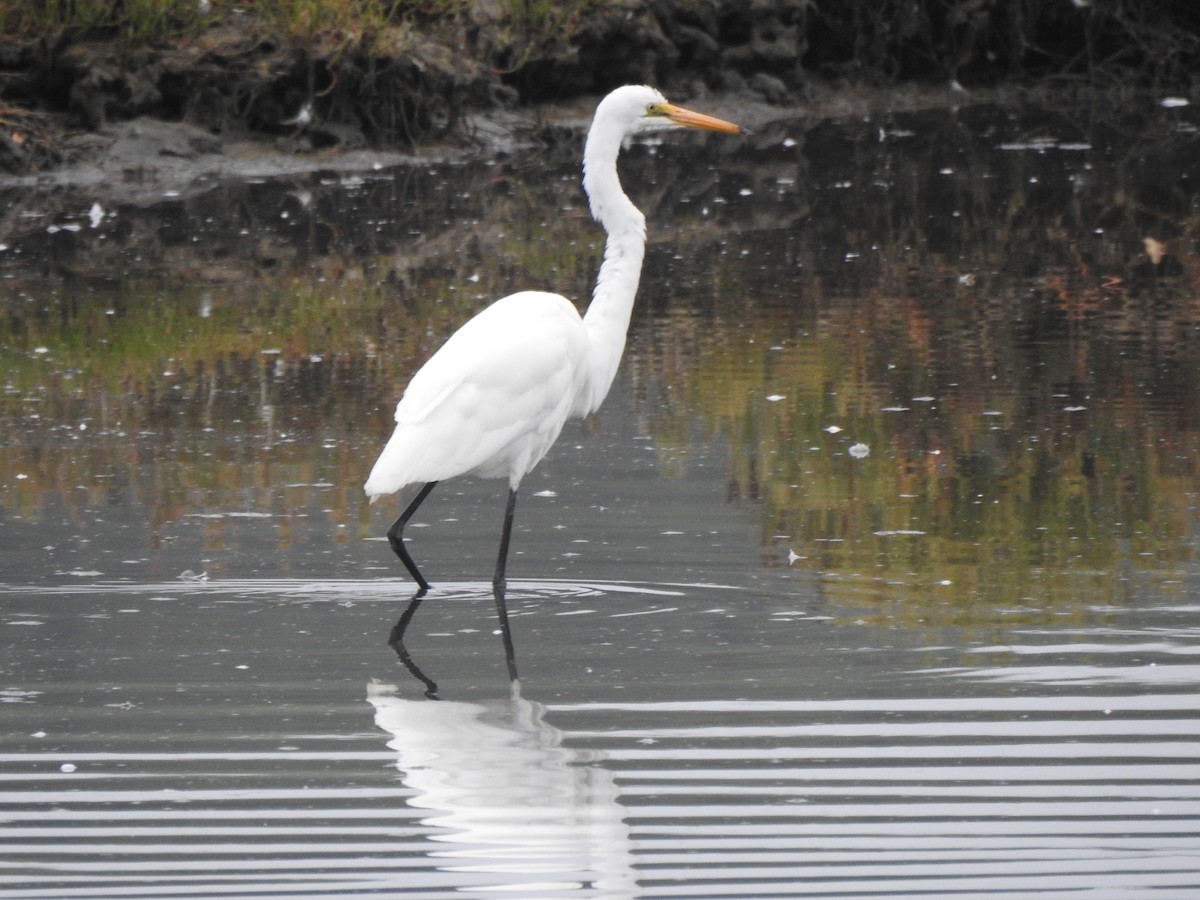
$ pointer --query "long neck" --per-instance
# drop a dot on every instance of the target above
(607, 317)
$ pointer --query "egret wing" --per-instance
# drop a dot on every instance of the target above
(493, 399)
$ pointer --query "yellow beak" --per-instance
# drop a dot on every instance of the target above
(689, 119)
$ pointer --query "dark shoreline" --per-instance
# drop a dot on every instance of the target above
(486, 80)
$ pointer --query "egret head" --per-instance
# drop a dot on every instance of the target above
(620, 115)
(638, 107)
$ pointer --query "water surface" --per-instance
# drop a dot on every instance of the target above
(876, 574)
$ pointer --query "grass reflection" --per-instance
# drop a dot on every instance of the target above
(986, 321)
(1023, 373)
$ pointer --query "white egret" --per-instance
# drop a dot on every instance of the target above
(494, 398)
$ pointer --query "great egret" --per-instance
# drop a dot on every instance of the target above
(495, 397)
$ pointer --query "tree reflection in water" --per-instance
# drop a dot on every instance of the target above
(999, 304)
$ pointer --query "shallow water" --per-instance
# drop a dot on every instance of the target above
(876, 575)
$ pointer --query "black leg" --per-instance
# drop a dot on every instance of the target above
(395, 536)
(510, 656)
(505, 535)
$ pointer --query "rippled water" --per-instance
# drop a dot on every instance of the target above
(876, 575)
(260, 738)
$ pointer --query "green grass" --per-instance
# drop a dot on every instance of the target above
(137, 21)
(146, 20)
(131, 20)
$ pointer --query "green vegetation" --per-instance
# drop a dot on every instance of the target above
(131, 20)
(149, 20)
(140, 21)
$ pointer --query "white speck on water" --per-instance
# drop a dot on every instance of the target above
(671, 532)
(17, 695)
(1074, 408)
(227, 515)
(859, 450)
(85, 573)
(645, 612)
(775, 398)
(545, 493)
(1173, 102)
(833, 429)
(789, 143)
(67, 767)
(96, 215)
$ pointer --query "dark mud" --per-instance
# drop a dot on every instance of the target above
(145, 160)
(238, 96)
(396, 87)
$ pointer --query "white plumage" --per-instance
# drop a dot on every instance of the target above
(492, 401)
(471, 411)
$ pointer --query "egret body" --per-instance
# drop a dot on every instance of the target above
(494, 398)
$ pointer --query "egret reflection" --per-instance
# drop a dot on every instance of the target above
(396, 638)
(510, 806)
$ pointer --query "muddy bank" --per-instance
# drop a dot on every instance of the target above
(240, 89)
(138, 160)
(412, 85)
